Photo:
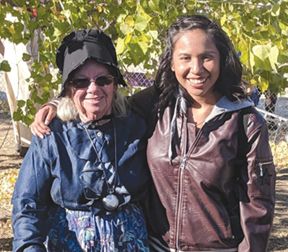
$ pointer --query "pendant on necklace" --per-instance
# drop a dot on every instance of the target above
(110, 202)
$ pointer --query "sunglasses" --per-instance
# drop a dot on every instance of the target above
(99, 81)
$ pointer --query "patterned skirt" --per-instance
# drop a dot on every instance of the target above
(76, 231)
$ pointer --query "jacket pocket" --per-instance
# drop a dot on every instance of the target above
(263, 179)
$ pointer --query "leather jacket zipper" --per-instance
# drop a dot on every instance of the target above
(262, 171)
(180, 187)
(179, 201)
(261, 167)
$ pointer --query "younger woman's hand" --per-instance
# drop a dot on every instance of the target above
(43, 117)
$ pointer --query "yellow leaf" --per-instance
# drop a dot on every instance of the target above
(273, 57)
(120, 45)
(129, 20)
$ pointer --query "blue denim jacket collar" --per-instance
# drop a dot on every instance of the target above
(80, 143)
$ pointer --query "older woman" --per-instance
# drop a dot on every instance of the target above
(88, 176)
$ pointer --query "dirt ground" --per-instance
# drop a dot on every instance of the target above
(10, 162)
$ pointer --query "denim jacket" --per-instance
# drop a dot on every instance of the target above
(63, 169)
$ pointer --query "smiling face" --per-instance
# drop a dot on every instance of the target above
(93, 101)
(196, 64)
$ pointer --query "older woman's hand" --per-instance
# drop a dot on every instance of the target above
(42, 118)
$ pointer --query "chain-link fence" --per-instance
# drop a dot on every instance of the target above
(278, 126)
(138, 79)
(278, 136)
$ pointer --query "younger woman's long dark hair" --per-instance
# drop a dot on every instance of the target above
(229, 82)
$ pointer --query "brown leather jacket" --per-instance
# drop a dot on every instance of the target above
(218, 191)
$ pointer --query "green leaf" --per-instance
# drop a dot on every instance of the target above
(129, 20)
(142, 19)
(48, 78)
(223, 20)
(261, 51)
(121, 18)
(20, 103)
(42, 11)
(262, 64)
(284, 28)
(154, 34)
(17, 115)
(127, 26)
(19, 27)
(4, 66)
(26, 120)
(144, 46)
(136, 53)
(275, 10)
(263, 83)
(26, 57)
(154, 5)
(243, 47)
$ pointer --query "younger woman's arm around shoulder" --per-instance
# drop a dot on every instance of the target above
(144, 103)
(43, 117)
(257, 207)
(31, 200)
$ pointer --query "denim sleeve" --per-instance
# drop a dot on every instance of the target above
(31, 199)
(34, 248)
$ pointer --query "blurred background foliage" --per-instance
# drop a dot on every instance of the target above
(258, 29)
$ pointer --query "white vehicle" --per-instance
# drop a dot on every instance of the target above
(16, 88)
